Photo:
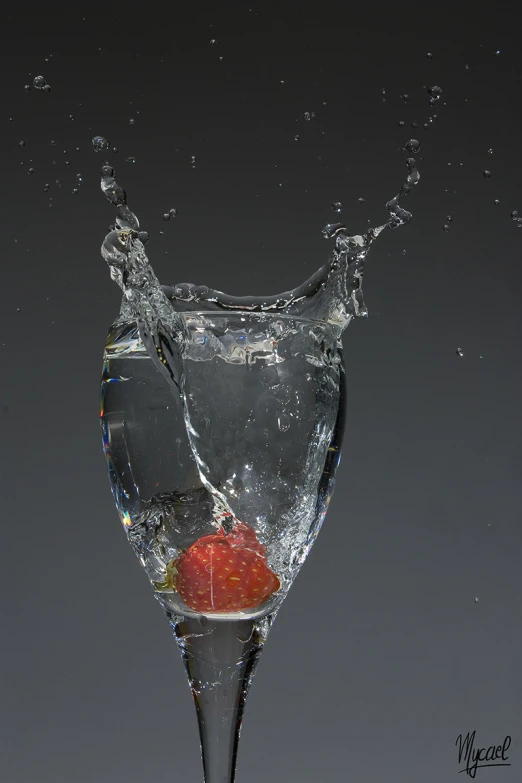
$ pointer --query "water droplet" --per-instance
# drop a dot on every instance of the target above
(130, 159)
(337, 206)
(486, 173)
(412, 145)
(360, 200)
(496, 202)
(21, 143)
(296, 137)
(131, 120)
(514, 214)
(39, 82)
(435, 92)
(429, 55)
(460, 352)
(99, 143)
(400, 123)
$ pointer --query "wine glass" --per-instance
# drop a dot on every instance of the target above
(222, 481)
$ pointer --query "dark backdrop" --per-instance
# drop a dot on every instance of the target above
(382, 655)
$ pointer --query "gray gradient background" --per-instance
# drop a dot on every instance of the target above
(380, 656)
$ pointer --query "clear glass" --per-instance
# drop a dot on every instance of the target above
(222, 484)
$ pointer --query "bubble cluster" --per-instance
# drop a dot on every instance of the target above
(170, 214)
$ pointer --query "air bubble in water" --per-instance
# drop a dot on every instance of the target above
(496, 202)
(400, 123)
(75, 191)
(173, 212)
(131, 120)
(307, 116)
(490, 151)
(445, 227)
(460, 352)
(99, 143)
(283, 422)
(193, 161)
(514, 214)
(21, 143)
(213, 41)
(130, 159)
(30, 171)
(405, 96)
(449, 218)
(429, 55)
(296, 137)
(46, 187)
(27, 87)
(412, 145)
(476, 599)
(360, 200)
(337, 206)
(166, 216)
(487, 173)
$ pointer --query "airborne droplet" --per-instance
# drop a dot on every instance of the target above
(412, 145)
(435, 92)
(99, 143)
(39, 82)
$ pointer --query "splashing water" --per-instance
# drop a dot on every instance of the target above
(183, 325)
(333, 294)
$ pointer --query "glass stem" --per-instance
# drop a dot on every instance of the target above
(220, 658)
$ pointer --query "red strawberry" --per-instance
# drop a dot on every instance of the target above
(225, 573)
